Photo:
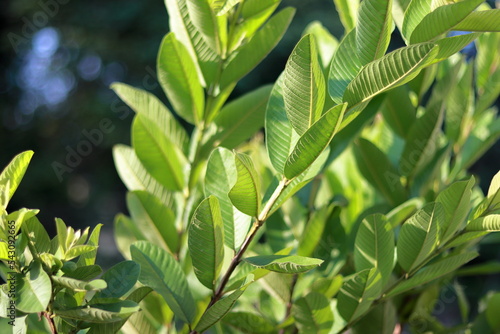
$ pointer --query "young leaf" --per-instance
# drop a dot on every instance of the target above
(490, 223)
(418, 236)
(383, 74)
(313, 314)
(358, 292)
(347, 10)
(15, 170)
(245, 195)
(252, 53)
(120, 279)
(287, 264)
(88, 258)
(36, 233)
(314, 141)
(373, 31)
(456, 203)
(78, 285)
(178, 78)
(248, 323)
(100, 313)
(344, 68)
(155, 220)
(442, 20)
(160, 271)
(374, 246)
(207, 23)
(379, 171)
(431, 272)
(221, 308)
(206, 242)
(145, 103)
(484, 20)
(33, 290)
(304, 85)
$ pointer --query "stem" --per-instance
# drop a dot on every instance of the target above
(50, 320)
(250, 236)
(290, 302)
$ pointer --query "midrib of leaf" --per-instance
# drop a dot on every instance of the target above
(165, 157)
(387, 17)
(462, 196)
(427, 237)
(362, 298)
(34, 289)
(311, 85)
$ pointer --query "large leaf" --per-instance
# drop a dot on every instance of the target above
(347, 10)
(37, 235)
(120, 279)
(373, 31)
(394, 69)
(313, 314)
(145, 103)
(33, 290)
(160, 271)
(441, 20)
(100, 313)
(288, 264)
(484, 20)
(134, 175)
(456, 203)
(206, 242)
(418, 236)
(433, 271)
(252, 53)
(415, 12)
(245, 194)
(178, 78)
(207, 22)
(248, 323)
(314, 141)
(221, 308)
(15, 170)
(344, 68)
(379, 171)
(490, 223)
(304, 85)
(374, 246)
(242, 118)
(358, 293)
(153, 219)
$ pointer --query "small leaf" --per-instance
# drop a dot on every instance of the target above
(36, 233)
(101, 313)
(78, 250)
(15, 170)
(314, 141)
(248, 323)
(33, 290)
(304, 85)
(221, 308)
(87, 259)
(245, 194)
(313, 314)
(206, 242)
(490, 223)
(84, 273)
(160, 271)
(78, 285)
(288, 264)
(347, 10)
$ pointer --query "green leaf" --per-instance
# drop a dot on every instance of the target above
(490, 223)
(88, 258)
(78, 285)
(84, 273)
(465, 238)
(415, 12)
(207, 23)
(347, 10)
(241, 118)
(327, 43)
(358, 293)
(314, 141)
(304, 85)
(33, 290)
(431, 272)
(217, 311)
(36, 233)
(245, 194)
(101, 313)
(442, 20)
(374, 246)
(15, 170)
(392, 70)
(418, 236)
(134, 175)
(491, 312)
(120, 279)
(374, 28)
(287, 264)
(399, 111)
(456, 203)
(381, 319)
(155, 220)
(422, 142)
(484, 20)
(451, 45)
(178, 78)
(78, 250)
(221, 7)
(161, 158)
(344, 68)
(252, 53)
(248, 323)
(313, 314)
(375, 166)
(206, 242)
(486, 268)
(402, 212)
(160, 271)
(313, 231)
(148, 105)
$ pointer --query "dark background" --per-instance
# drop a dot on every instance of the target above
(59, 58)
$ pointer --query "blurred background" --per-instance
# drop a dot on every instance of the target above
(59, 58)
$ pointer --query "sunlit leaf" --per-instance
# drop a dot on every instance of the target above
(245, 194)
(288, 264)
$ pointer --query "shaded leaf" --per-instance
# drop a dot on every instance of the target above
(490, 223)
(287, 264)
(120, 279)
(33, 290)
(313, 314)
(101, 313)
(248, 323)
